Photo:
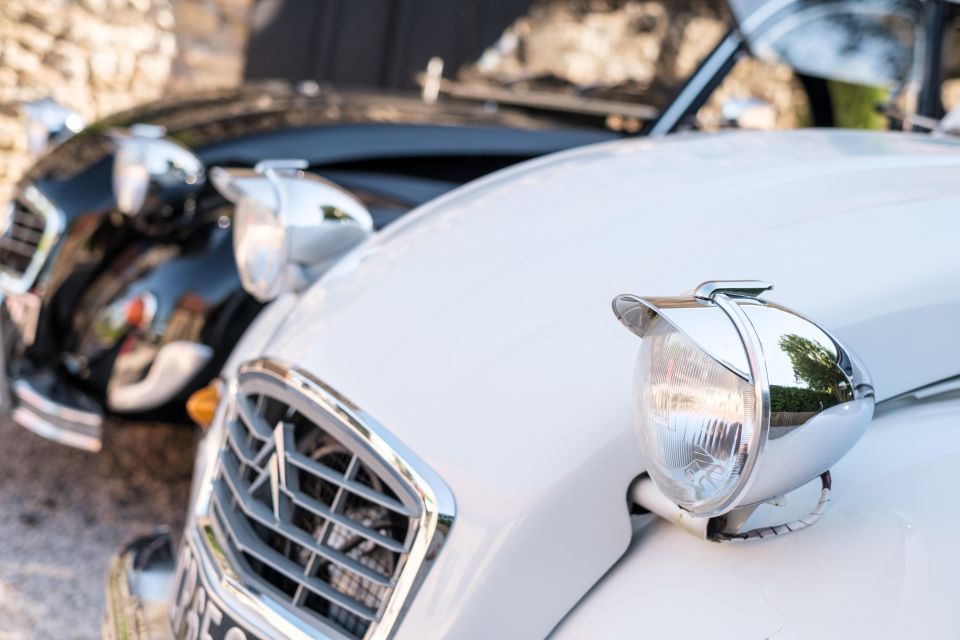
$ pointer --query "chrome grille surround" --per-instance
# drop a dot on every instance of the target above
(316, 510)
(33, 230)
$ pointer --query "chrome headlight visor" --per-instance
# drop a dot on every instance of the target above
(739, 400)
(49, 123)
(288, 225)
(147, 166)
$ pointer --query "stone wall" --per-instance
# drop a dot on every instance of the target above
(641, 49)
(211, 38)
(609, 42)
(102, 56)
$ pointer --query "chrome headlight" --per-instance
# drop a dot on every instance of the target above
(49, 121)
(288, 225)
(739, 400)
(148, 165)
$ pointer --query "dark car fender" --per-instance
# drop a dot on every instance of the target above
(191, 310)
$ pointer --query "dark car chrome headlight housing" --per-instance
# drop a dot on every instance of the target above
(739, 400)
(49, 123)
(289, 225)
(152, 171)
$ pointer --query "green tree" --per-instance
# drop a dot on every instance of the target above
(813, 365)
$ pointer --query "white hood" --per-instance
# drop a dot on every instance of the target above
(479, 329)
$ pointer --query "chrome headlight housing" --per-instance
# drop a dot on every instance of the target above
(49, 122)
(289, 225)
(147, 166)
(739, 400)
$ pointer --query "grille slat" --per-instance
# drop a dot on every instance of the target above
(240, 448)
(257, 426)
(319, 509)
(322, 471)
(257, 511)
(310, 510)
(26, 234)
(245, 539)
(8, 243)
(27, 218)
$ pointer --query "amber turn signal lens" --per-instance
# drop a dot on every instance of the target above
(202, 404)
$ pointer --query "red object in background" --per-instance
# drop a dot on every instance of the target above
(135, 312)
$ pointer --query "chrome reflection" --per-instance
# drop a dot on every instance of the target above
(805, 367)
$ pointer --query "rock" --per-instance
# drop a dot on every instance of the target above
(100, 56)
(20, 59)
(196, 17)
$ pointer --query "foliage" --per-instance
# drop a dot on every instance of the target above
(793, 399)
(812, 364)
(855, 105)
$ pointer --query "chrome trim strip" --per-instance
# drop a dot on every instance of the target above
(439, 509)
(29, 420)
(53, 421)
(761, 395)
(31, 397)
(54, 224)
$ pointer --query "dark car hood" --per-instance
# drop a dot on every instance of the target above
(205, 119)
(241, 126)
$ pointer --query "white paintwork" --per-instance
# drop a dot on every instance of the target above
(882, 563)
(254, 340)
(479, 331)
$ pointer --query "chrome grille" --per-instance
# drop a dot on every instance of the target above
(31, 227)
(311, 511)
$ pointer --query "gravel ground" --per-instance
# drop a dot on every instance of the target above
(64, 512)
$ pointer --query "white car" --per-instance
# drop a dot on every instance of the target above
(451, 435)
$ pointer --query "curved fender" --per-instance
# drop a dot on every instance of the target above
(881, 563)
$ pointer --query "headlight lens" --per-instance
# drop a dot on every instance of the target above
(260, 247)
(695, 419)
(323, 220)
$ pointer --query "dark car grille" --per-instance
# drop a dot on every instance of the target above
(22, 242)
(308, 511)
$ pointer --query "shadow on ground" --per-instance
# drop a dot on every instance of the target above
(64, 512)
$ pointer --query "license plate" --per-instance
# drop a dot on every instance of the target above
(196, 614)
(24, 310)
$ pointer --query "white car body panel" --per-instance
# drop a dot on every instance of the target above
(257, 336)
(881, 564)
(479, 332)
